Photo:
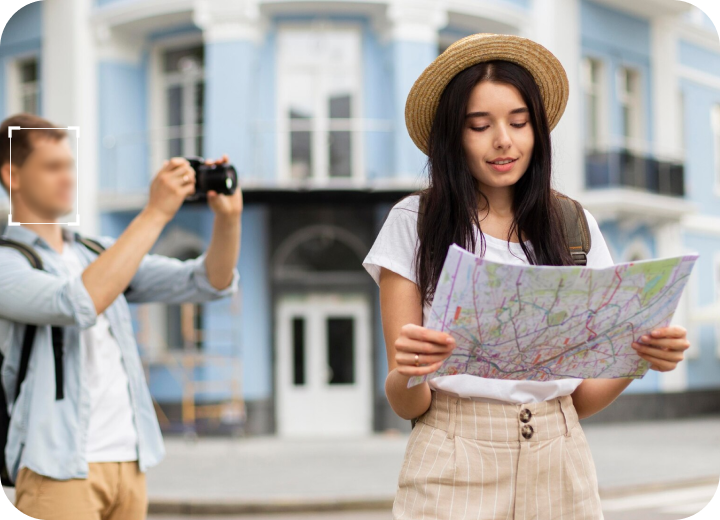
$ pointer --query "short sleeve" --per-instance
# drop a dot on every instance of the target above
(599, 255)
(396, 245)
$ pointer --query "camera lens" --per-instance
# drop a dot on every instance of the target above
(221, 178)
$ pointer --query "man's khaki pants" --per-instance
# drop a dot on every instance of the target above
(112, 491)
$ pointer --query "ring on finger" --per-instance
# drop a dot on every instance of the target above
(417, 360)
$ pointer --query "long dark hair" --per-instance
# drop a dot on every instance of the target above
(451, 199)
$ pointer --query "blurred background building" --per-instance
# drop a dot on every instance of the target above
(307, 98)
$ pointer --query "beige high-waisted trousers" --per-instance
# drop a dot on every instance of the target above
(467, 459)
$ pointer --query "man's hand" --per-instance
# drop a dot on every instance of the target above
(174, 182)
(663, 347)
(225, 205)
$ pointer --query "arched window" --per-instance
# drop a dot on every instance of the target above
(317, 252)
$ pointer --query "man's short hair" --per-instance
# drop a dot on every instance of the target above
(22, 141)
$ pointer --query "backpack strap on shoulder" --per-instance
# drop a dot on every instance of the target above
(421, 210)
(577, 230)
(31, 329)
(92, 244)
(24, 249)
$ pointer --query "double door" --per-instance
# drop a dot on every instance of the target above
(323, 365)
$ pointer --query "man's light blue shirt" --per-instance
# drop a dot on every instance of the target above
(49, 436)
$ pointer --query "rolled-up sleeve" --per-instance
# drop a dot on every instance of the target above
(202, 281)
(28, 295)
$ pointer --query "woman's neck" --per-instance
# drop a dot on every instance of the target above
(499, 202)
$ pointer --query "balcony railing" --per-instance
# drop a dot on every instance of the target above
(623, 168)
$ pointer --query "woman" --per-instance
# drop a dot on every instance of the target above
(488, 448)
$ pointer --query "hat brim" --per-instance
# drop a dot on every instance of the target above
(545, 68)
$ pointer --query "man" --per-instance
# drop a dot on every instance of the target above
(83, 456)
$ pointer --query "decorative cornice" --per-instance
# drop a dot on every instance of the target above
(227, 20)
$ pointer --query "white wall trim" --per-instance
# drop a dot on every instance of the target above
(697, 76)
(612, 203)
(416, 20)
(703, 224)
(122, 13)
(502, 13)
(229, 20)
(698, 35)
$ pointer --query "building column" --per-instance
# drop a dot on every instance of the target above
(414, 26)
(69, 73)
(231, 33)
(667, 145)
(557, 27)
(666, 120)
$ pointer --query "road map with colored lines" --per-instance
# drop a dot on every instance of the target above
(545, 322)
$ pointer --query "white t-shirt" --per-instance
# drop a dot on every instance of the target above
(395, 248)
(112, 436)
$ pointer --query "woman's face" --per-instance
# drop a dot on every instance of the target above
(497, 128)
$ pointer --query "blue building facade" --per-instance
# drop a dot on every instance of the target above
(307, 99)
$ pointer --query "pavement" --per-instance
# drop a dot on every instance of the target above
(640, 466)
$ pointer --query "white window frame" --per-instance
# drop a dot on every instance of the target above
(158, 140)
(320, 150)
(14, 95)
(681, 137)
(598, 90)
(715, 128)
(636, 141)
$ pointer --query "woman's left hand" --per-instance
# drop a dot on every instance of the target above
(663, 348)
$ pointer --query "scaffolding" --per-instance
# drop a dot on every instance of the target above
(196, 372)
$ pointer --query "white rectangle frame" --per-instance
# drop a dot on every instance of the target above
(77, 176)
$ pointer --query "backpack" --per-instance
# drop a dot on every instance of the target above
(577, 231)
(27, 345)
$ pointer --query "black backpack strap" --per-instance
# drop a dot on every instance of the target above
(58, 351)
(30, 330)
(577, 230)
(421, 211)
(28, 340)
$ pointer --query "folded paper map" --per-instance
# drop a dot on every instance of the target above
(544, 322)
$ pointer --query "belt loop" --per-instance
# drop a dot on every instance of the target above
(452, 415)
(562, 401)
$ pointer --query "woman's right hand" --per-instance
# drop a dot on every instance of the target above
(420, 351)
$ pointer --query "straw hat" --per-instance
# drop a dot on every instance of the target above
(545, 68)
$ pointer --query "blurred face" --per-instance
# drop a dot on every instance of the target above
(46, 180)
(498, 137)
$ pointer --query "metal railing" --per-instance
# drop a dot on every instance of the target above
(623, 168)
(128, 161)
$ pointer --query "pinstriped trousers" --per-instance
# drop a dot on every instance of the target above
(468, 459)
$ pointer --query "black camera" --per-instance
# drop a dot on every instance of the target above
(221, 178)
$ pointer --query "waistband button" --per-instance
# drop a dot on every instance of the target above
(525, 415)
(527, 431)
